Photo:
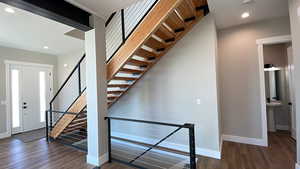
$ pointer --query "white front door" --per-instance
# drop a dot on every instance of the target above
(30, 94)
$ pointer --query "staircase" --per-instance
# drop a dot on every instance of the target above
(165, 24)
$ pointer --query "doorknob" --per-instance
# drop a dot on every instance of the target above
(24, 107)
(24, 103)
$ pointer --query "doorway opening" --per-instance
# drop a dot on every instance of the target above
(29, 89)
(277, 87)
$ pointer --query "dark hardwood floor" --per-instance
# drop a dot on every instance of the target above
(281, 154)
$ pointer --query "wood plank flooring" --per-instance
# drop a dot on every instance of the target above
(281, 154)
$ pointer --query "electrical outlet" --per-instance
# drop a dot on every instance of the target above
(198, 101)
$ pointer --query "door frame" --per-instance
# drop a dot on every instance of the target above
(8, 64)
(260, 47)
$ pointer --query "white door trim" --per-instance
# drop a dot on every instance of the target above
(8, 63)
(260, 46)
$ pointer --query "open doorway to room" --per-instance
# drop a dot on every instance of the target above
(277, 87)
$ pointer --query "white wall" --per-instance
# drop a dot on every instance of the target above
(168, 93)
(23, 56)
(295, 27)
(239, 75)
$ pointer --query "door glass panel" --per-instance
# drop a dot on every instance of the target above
(42, 79)
(15, 98)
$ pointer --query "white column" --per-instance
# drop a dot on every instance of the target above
(96, 93)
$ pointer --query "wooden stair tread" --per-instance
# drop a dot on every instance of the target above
(125, 78)
(118, 85)
(112, 97)
(165, 34)
(145, 54)
(175, 23)
(154, 44)
(131, 71)
(77, 124)
(135, 62)
(79, 120)
(186, 10)
(115, 92)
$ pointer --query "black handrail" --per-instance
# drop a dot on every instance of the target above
(149, 122)
(190, 127)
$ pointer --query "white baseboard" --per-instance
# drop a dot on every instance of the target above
(297, 166)
(97, 161)
(282, 127)
(4, 135)
(174, 146)
(244, 140)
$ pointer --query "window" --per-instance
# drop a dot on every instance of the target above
(42, 96)
(15, 98)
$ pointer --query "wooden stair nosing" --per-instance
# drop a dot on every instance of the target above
(131, 71)
(155, 44)
(119, 85)
(124, 78)
(135, 62)
(115, 92)
(145, 54)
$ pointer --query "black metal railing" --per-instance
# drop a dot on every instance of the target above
(75, 137)
(76, 69)
(125, 26)
(58, 109)
(190, 127)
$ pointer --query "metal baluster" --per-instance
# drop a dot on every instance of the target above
(109, 140)
(192, 146)
(79, 79)
(47, 134)
(123, 26)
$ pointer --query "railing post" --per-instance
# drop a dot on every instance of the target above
(123, 25)
(192, 146)
(51, 118)
(79, 79)
(47, 134)
(109, 139)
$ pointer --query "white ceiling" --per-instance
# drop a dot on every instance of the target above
(228, 12)
(24, 30)
(101, 8)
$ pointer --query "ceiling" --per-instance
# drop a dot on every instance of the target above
(102, 8)
(24, 30)
(228, 12)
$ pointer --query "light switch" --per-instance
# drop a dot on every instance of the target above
(198, 101)
(3, 102)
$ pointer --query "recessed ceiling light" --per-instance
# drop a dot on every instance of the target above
(46, 47)
(65, 65)
(245, 15)
(9, 10)
(248, 1)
